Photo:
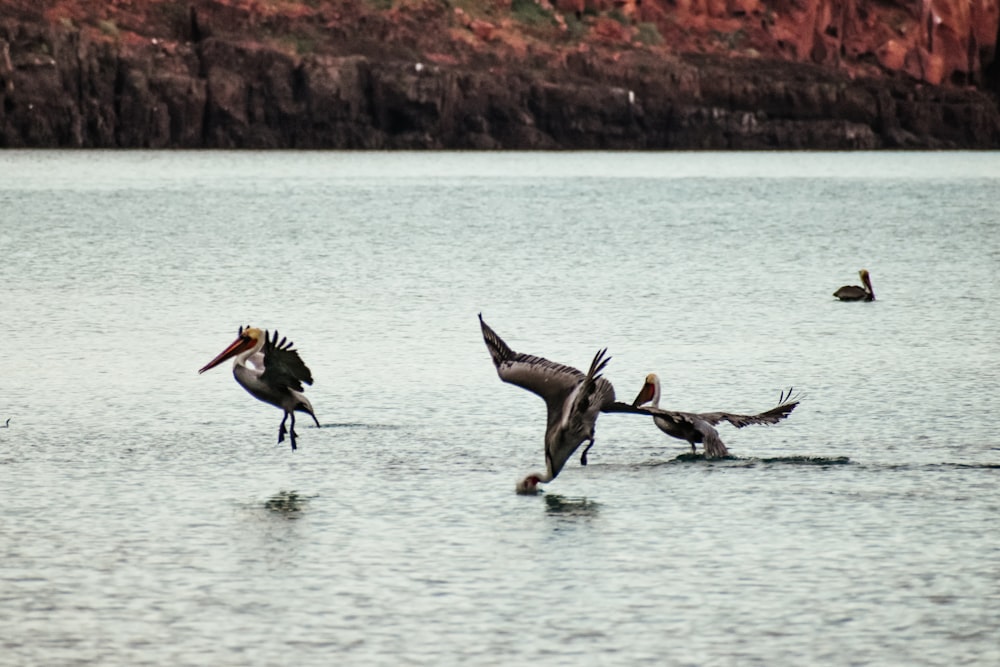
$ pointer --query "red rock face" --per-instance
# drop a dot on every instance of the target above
(636, 74)
(937, 41)
(933, 40)
(221, 74)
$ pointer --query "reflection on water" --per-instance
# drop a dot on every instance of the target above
(566, 506)
(287, 504)
(689, 457)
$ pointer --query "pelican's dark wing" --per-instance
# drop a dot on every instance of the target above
(618, 406)
(680, 425)
(786, 404)
(855, 293)
(594, 393)
(851, 293)
(714, 447)
(283, 367)
(552, 381)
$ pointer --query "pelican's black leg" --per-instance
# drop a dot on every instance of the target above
(583, 457)
(282, 431)
(293, 434)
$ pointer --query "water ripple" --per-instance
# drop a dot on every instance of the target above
(150, 517)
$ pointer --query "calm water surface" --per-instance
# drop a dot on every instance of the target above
(150, 518)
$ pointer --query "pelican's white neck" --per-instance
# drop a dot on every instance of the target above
(242, 357)
(866, 281)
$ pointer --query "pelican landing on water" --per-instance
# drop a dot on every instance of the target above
(700, 427)
(573, 401)
(271, 371)
(855, 293)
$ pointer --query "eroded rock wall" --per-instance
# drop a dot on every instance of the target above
(932, 40)
(65, 86)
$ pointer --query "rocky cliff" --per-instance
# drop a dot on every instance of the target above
(487, 74)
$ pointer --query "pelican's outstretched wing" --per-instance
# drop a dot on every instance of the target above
(282, 365)
(714, 447)
(786, 404)
(552, 381)
(618, 406)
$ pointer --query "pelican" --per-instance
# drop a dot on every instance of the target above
(695, 427)
(573, 401)
(271, 371)
(855, 293)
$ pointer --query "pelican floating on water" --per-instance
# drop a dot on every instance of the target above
(573, 401)
(271, 371)
(700, 427)
(855, 293)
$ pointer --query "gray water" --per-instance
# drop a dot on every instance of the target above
(149, 516)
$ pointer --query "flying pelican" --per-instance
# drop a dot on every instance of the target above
(695, 427)
(855, 293)
(271, 371)
(573, 401)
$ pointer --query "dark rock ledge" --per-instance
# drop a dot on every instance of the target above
(58, 88)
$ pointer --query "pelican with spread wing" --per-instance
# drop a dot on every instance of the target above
(272, 372)
(700, 427)
(573, 401)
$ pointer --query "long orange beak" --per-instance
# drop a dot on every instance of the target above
(239, 345)
(645, 394)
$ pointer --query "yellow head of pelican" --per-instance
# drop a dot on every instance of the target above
(649, 391)
(246, 340)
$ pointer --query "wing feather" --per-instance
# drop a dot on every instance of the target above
(593, 385)
(548, 379)
(851, 293)
(714, 447)
(679, 426)
(786, 404)
(594, 393)
(282, 364)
